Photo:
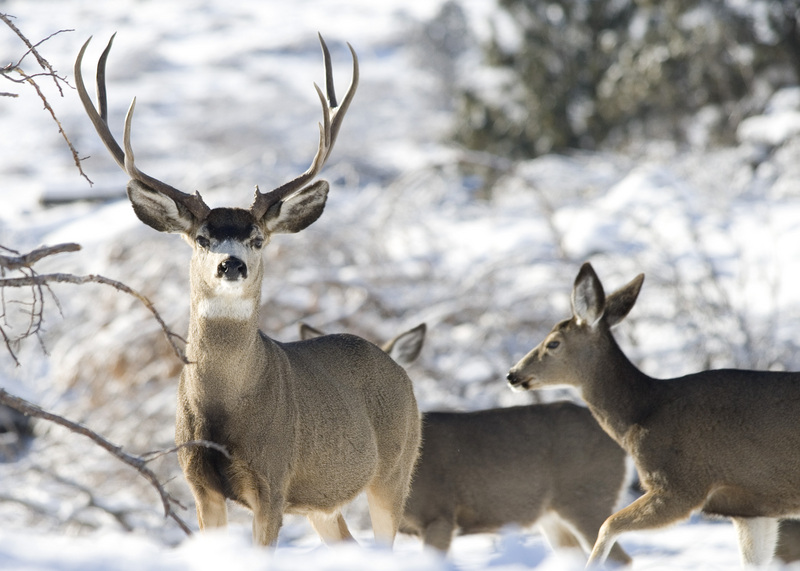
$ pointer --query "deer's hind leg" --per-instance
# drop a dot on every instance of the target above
(757, 539)
(439, 533)
(385, 511)
(212, 511)
(331, 527)
(386, 496)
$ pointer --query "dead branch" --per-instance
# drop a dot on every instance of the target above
(39, 280)
(48, 71)
(139, 463)
(23, 263)
(19, 261)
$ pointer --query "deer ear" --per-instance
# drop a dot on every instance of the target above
(619, 303)
(297, 211)
(588, 298)
(405, 348)
(308, 332)
(159, 211)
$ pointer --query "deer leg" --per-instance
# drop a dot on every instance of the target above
(267, 516)
(757, 539)
(577, 526)
(650, 511)
(330, 527)
(211, 508)
(439, 534)
(385, 510)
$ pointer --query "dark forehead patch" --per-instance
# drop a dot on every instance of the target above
(561, 326)
(230, 224)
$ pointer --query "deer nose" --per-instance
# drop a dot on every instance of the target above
(232, 269)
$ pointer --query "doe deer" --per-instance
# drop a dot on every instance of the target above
(725, 442)
(549, 465)
(308, 425)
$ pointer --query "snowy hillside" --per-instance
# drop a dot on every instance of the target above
(225, 101)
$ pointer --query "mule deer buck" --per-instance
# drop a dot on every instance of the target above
(725, 442)
(308, 425)
(549, 465)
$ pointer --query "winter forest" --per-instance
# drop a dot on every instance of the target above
(492, 147)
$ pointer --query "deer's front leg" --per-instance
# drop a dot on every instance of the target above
(267, 516)
(650, 511)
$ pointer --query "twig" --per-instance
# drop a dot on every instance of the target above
(29, 78)
(192, 443)
(137, 462)
(20, 261)
(39, 280)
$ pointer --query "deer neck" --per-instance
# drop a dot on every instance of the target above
(224, 343)
(619, 395)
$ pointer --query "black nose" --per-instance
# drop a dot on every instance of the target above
(232, 269)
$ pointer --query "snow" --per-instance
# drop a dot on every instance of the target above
(225, 101)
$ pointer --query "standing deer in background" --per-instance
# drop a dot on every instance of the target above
(549, 465)
(308, 425)
(726, 442)
(403, 348)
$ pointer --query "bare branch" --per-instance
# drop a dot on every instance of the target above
(191, 444)
(25, 261)
(48, 71)
(43, 63)
(39, 280)
(137, 462)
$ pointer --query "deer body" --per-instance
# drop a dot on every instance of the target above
(549, 465)
(725, 441)
(306, 425)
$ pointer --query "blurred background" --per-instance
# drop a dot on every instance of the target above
(492, 147)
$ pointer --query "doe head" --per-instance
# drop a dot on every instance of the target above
(574, 347)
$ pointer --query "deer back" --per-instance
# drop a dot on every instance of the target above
(490, 468)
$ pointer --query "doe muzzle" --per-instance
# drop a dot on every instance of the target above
(232, 269)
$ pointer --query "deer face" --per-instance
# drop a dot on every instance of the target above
(550, 362)
(227, 242)
(227, 251)
(573, 349)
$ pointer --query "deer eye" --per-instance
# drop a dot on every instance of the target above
(553, 344)
(203, 242)
(257, 243)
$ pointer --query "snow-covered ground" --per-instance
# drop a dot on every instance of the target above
(225, 101)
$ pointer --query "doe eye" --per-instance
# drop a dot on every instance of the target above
(203, 242)
(553, 344)
(257, 243)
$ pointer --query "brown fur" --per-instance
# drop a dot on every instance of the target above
(306, 425)
(549, 464)
(724, 441)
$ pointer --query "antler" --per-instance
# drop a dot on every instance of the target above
(192, 202)
(332, 117)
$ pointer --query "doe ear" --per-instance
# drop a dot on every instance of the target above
(405, 348)
(619, 303)
(297, 211)
(308, 332)
(159, 211)
(588, 297)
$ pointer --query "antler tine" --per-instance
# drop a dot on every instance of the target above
(332, 117)
(192, 202)
(98, 120)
